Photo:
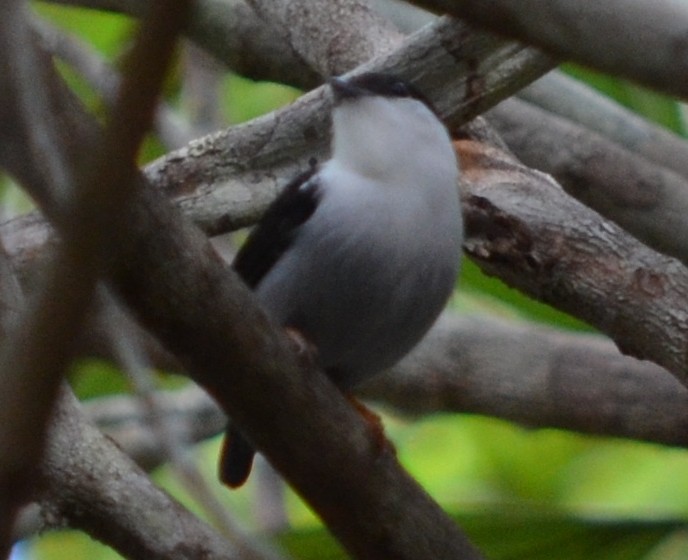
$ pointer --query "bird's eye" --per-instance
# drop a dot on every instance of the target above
(400, 89)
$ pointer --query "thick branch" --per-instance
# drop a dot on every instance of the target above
(523, 228)
(644, 41)
(228, 178)
(234, 34)
(647, 200)
(539, 378)
(313, 437)
(90, 485)
(573, 100)
(314, 31)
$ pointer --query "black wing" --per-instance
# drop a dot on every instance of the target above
(275, 232)
(265, 245)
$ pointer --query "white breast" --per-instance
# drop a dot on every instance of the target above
(369, 272)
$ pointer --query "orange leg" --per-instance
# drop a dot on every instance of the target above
(375, 424)
(306, 353)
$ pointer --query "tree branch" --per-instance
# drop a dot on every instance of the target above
(104, 79)
(234, 34)
(463, 72)
(573, 100)
(539, 378)
(131, 359)
(89, 484)
(646, 199)
(523, 228)
(314, 31)
(594, 34)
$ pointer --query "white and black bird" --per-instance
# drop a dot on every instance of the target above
(360, 254)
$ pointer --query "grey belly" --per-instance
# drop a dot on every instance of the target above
(360, 323)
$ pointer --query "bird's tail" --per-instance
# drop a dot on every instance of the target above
(236, 458)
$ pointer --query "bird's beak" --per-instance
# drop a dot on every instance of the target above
(343, 89)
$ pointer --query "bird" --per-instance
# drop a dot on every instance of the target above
(359, 254)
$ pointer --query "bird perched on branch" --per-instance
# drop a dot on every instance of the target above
(360, 254)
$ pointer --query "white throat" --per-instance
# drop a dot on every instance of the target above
(398, 140)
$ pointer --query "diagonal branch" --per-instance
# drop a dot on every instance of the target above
(573, 100)
(462, 71)
(646, 199)
(234, 34)
(643, 41)
(331, 36)
(88, 484)
(540, 378)
(105, 79)
(522, 227)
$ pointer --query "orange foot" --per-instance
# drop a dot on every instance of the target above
(382, 444)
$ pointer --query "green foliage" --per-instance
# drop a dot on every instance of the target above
(68, 545)
(91, 378)
(95, 378)
(107, 32)
(244, 99)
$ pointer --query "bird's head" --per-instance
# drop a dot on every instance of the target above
(382, 124)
